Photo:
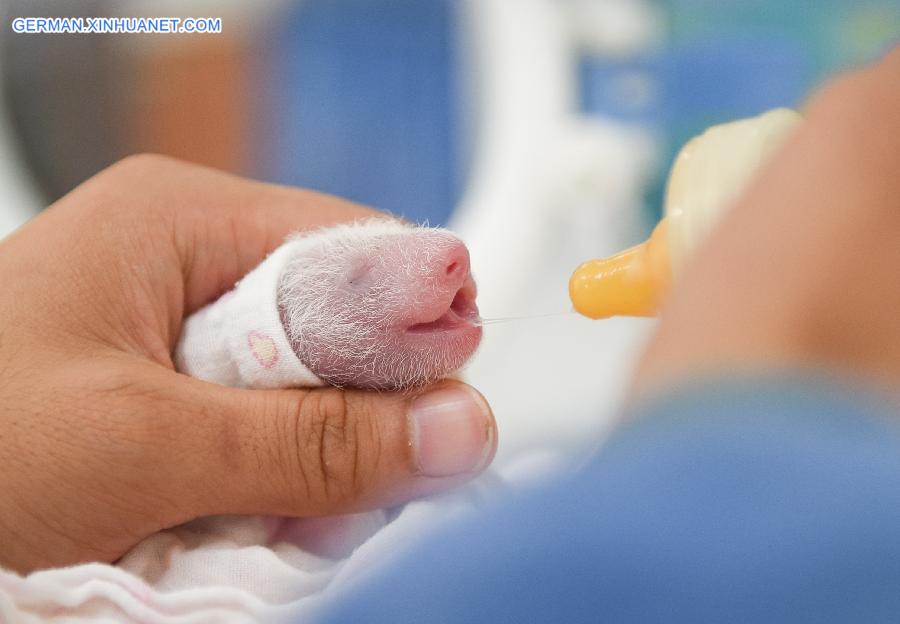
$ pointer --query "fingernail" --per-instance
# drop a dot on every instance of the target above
(451, 431)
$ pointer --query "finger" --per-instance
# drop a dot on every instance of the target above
(222, 225)
(322, 451)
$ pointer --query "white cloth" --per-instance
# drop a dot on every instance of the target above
(218, 570)
(239, 339)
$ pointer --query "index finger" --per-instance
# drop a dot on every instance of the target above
(224, 225)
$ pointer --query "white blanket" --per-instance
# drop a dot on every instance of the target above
(220, 570)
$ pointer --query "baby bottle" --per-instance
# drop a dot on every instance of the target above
(709, 173)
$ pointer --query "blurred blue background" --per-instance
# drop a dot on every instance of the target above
(363, 98)
(726, 59)
(363, 101)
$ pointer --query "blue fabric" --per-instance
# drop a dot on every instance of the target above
(763, 501)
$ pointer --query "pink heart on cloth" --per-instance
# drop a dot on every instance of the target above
(263, 349)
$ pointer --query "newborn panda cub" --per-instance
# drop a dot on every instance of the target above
(380, 305)
(376, 304)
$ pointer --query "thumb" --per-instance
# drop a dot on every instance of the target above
(328, 450)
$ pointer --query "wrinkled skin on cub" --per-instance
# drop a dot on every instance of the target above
(381, 304)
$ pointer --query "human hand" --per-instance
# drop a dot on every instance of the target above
(102, 443)
(805, 270)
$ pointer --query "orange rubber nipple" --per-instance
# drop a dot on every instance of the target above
(630, 283)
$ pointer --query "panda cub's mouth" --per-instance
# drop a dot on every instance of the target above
(459, 313)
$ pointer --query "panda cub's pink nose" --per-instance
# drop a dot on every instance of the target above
(454, 260)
